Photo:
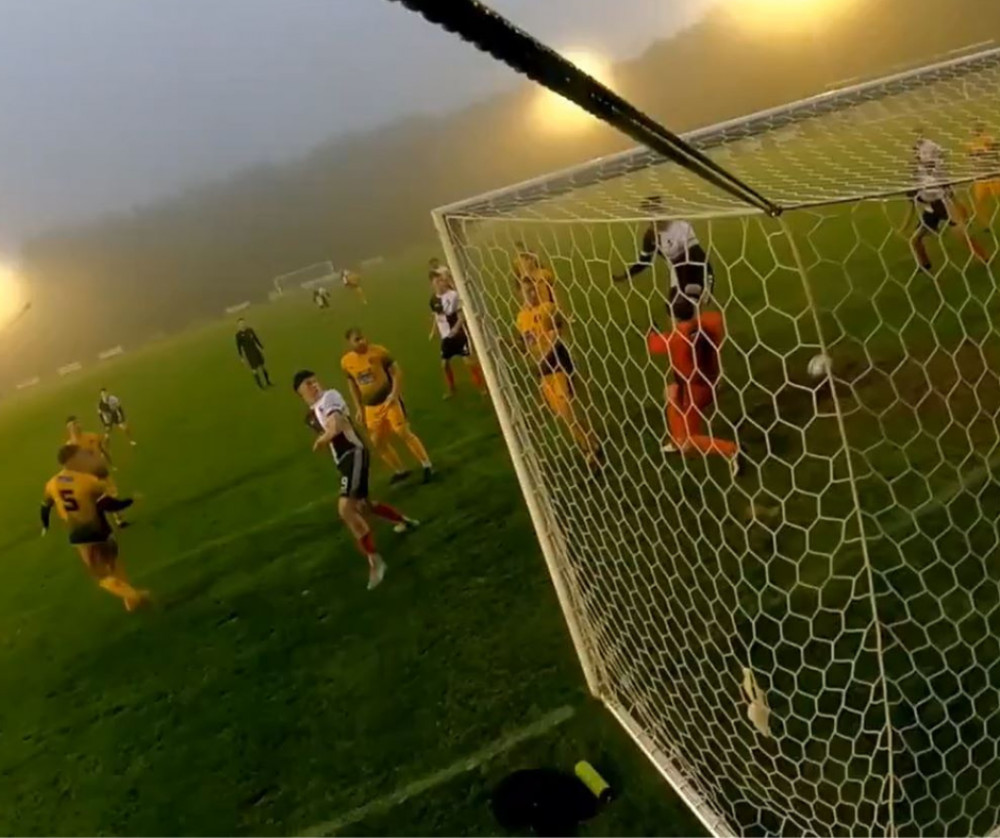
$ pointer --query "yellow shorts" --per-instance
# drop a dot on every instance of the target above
(557, 390)
(383, 418)
(982, 189)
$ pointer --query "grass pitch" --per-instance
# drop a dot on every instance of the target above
(268, 692)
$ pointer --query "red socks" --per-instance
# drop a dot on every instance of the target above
(477, 376)
(383, 510)
(449, 377)
(366, 544)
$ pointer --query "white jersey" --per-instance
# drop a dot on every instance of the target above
(449, 304)
(676, 240)
(333, 402)
(929, 191)
(929, 157)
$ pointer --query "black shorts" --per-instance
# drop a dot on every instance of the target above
(94, 533)
(354, 467)
(696, 273)
(456, 346)
(558, 360)
(934, 214)
(109, 420)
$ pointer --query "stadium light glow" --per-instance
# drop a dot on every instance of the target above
(784, 16)
(557, 115)
(11, 295)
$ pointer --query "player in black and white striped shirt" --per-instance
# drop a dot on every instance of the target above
(676, 241)
(449, 323)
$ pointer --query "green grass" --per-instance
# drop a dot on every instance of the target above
(268, 691)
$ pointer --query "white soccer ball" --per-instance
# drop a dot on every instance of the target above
(819, 366)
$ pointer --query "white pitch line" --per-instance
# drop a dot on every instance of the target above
(469, 763)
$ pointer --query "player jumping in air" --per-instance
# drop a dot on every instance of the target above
(83, 500)
(539, 326)
(112, 415)
(936, 208)
(352, 282)
(436, 269)
(985, 153)
(96, 446)
(251, 352)
(376, 381)
(693, 349)
(677, 242)
(331, 420)
(449, 323)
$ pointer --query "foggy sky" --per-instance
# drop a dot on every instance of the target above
(105, 104)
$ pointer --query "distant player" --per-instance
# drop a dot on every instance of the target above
(528, 266)
(376, 382)
(436, 269)
(449, 323)
(693, 349)
(352, 282)
(332, 422)
(928, 157)
(539, 326)
(112, 415)
(95, 445)
(251, 352)
(321, 297)
(677, 242)
(936, 210)
(985, 153)
(83, 501)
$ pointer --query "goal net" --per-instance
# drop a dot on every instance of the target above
(309, 277)
(812, 646)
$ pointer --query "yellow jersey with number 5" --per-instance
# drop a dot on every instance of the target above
(75, 494)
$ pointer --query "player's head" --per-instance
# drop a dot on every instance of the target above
(529, 293)
(440, 283)
(356, 339)
(434, 263)
(241, 323)
(67, 453)
(652, 205)
(307, 386)
(73, 425)
(104, 392)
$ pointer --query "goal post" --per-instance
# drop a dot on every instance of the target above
(308, 277)
(811, 646)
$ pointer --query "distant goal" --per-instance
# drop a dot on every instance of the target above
(309, 277)
(812, 647)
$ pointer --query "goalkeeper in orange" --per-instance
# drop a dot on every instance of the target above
(81, 496)
(693, 349)
(539, 325)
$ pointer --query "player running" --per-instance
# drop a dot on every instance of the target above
(539, 326)
(936, 208)
(985, 153)
(436, 269)
(321, 297)
(96, 446)
(112, 415)
(331, 420)
(376, 384)
(352, 282)
(251, 352)
(449, 323)
(677, 242)
(83, 500)
(693, 349)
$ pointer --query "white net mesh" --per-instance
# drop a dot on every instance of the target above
(813, 646)
(309, 277)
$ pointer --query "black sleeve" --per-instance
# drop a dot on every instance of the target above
(256, 339)
(239, 345)
(646, 255)
(46, 513)
(110, 504)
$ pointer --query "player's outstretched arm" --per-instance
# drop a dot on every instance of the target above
(352, 385)
(107, 503)
(396, 374)
(333, 425)
(434, 329)
(645, 258)
(46, 512)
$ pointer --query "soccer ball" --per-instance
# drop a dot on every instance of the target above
(819, 366)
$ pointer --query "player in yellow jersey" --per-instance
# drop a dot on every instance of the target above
(95, 444)
(985, 153)
(375, 381)
(352, 282)
(83, 501)
(539, 325)
(527, 266)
